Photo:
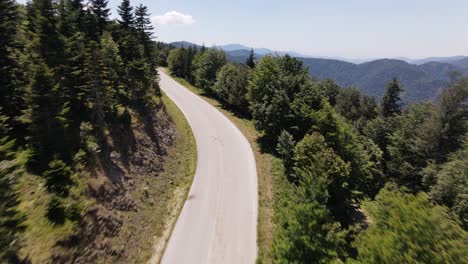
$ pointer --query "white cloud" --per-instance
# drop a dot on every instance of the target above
(173, 18)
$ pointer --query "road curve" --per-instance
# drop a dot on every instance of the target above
(218, 223)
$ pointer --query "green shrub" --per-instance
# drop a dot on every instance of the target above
(55, 210)
(58, 177)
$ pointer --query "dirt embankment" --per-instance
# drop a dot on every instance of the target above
(123, 185)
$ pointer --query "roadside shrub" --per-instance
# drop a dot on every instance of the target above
(58, 177)
(55, 210)
(231, 86)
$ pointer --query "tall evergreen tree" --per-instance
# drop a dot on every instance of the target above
(142, 21)
(145, 33)
(391, 102)
(452, 112)
(125, 11)
(251, 59)
(8, 22)
(45, 107)
(46, 42)
(100, 10)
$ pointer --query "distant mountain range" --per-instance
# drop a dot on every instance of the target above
(420, 82)
(421, 79)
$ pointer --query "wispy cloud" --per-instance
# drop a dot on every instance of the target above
(173, 18)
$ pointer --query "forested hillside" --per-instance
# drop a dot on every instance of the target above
(84, 133)
(364, 181)
(420, 82)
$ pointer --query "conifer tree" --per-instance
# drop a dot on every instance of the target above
(8, 21)
(100, 10)
(144, 31)
(44, 33)
(46, 127)
(391, 102)
(125, 11)
(142, 21)
(10, 222)
(73, 84)
(251, 59)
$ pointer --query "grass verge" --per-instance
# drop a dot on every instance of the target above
(267, 172)
(180, 165)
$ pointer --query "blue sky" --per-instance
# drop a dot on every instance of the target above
(342, 28)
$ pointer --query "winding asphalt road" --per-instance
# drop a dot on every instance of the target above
(218, 223)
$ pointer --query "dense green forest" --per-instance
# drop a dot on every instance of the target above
(70, 80)
(365, 181)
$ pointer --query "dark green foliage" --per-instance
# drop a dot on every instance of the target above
(55, 210)
(250, 62)
(313, 158)
(67, 74)
(46, 45)
(391, 102)
(180, 62)
(162, 52)
(307, 232)
(452, 113)
(276, 82)
(369, 108)
(206, 65)
(8, 42)
(142, 21)
(125, 11)
(421, 82)
(351, 104)
(330, 90)
(100, 10)
(411, 145)
(46, 111)
(230, 86)
(449, 183)
(10, 220)
(348, 104)
(425, 133)
(285, 149)
(58, 177)
(408, 229)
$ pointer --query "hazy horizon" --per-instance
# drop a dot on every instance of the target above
(354, 29)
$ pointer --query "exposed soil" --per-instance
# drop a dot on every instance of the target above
(132, 159)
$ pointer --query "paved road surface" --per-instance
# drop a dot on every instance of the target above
(218, 223)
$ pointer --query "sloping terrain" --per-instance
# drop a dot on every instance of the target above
(420, 82)
(130, 195)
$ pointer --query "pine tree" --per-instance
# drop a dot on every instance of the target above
(45, 108)
(100, 10)
(125, 11)
(144, 31)
(46, 42)
(73, 85)
(10, 222)
(8, 21)
(113, 64)
(95, 94)
(251, 59)
(142, 21)
(391, 102)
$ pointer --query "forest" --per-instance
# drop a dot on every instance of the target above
(72, 81)
(364, 181)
